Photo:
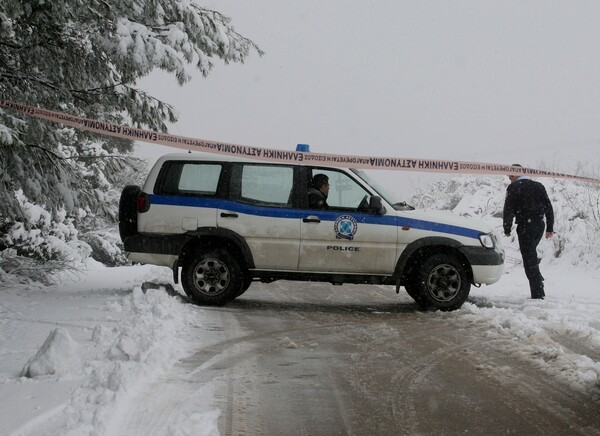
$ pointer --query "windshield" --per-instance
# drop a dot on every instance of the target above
(391, 199)
(383, 193)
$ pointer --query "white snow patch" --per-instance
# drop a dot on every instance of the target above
(59, 355)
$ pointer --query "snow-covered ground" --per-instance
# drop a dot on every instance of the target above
(74, 354)
(91, 342)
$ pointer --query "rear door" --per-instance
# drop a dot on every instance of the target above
(260, 209)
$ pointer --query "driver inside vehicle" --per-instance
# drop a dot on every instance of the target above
(318, 192)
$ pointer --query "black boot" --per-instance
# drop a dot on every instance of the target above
(537, 290)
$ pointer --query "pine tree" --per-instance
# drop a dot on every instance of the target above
(84, 58)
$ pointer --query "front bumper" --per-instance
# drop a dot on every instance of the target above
(487, 263)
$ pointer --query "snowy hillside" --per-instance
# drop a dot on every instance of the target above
(576, 211)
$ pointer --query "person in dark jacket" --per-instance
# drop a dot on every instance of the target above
(317, 194)
(527, 203)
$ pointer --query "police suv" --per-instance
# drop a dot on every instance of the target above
(226, 222)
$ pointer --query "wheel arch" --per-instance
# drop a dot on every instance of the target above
(212, 237)
(417, 251)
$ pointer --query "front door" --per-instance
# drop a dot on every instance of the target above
(346, 237)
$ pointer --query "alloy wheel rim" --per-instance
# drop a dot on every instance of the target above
(211, 276)
(443, 283)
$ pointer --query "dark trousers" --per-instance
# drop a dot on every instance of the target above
(530, 235)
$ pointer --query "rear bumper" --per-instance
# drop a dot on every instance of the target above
(155, 244)
(153, 259)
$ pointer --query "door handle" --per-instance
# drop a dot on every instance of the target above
(229, 215)
(311, 219)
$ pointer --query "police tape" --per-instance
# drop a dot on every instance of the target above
(274, 155)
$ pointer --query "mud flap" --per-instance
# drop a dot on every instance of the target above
(176, 271)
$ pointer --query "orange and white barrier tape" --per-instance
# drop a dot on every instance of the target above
(274, 155)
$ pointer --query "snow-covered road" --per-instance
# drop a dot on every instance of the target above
(286, 356)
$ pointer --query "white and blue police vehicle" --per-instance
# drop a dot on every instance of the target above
(221, 223)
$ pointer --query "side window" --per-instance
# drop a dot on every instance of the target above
(344, 192)
(200, 178)
(189, 178)
(265, 185)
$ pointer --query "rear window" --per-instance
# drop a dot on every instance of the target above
(189, 178)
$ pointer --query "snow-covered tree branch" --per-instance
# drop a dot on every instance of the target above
(84, 58)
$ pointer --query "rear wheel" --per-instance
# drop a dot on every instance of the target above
(246, 282)
(442, 283)
(212, 278)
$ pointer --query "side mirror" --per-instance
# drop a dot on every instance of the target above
(376, 205)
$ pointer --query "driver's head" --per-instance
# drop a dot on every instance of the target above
(321, 182)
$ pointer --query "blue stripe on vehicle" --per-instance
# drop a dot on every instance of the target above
(275, 212)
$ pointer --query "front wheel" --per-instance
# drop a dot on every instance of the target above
(442, 283)
(212, 278)
(413, 290)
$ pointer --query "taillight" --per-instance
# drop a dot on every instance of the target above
(143, 202)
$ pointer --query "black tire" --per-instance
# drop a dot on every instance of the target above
(245, 285)
(128, 211)
(414, 292)
(442, 283)
(412, 287)
(212, 278)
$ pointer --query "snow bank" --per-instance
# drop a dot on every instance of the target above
(142, 345)
(113, 340)
(559, 337)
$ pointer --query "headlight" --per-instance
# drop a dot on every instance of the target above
(487, 240)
